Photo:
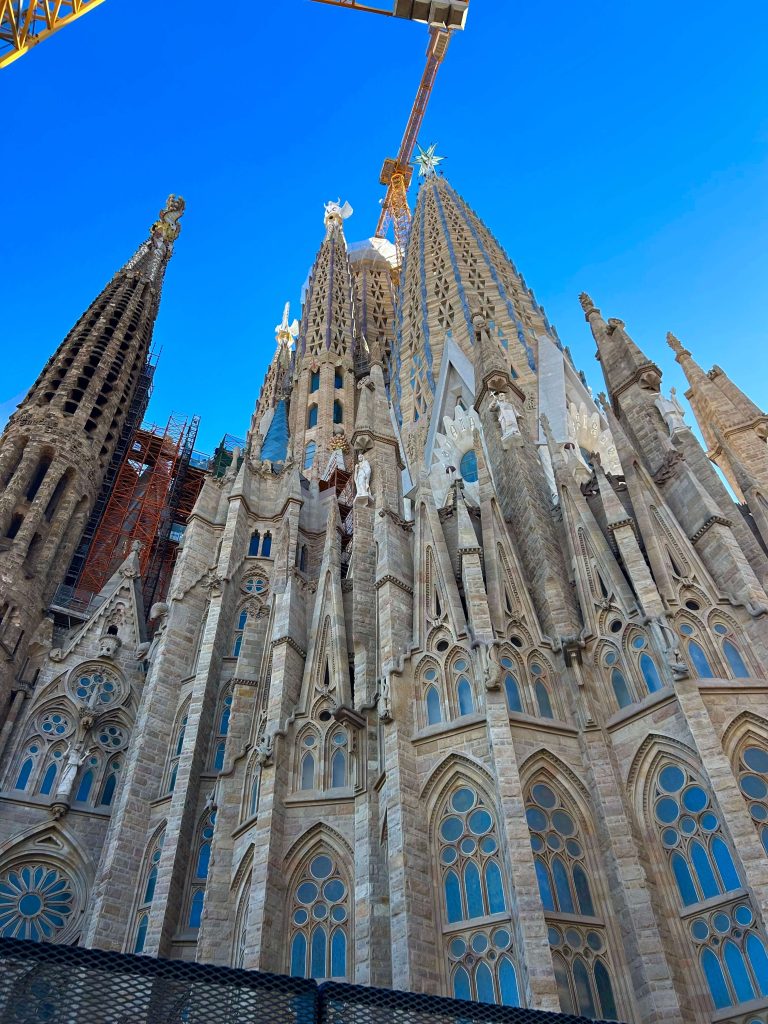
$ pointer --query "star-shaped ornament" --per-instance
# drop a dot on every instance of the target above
(427, 160)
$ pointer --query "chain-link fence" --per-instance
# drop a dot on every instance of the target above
(47, 984)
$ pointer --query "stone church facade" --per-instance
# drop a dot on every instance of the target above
(460, 683)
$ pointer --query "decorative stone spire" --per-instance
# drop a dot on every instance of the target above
(623, 363)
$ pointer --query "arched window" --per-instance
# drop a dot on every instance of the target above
(338, 411)
(432, 702)
(464, 696)
(309, 454)
(753, 783)
(110, 784)
(338, 378)
(312, 417)
(699, 660)
(147, 893)
(645, 663)
(471, 885)
(511, 686)
(27, 766)
(199, 873)
(731, 652)
(303, 558)
(237, 641)
(176, 748)
(468, 467)
(339, 742)
(253, 547)
(314, 381)
(541, 691)
(729, 943)
(87, 777)
(266, 547)
(559, 854)
(318, 943)
(51, 771)
(223, 713)
(308, 762)
(241, 923)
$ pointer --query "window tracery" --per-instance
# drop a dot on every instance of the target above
(475, 921)
(199, 869)
(177, 746)
(326, 755)
(96, 687)
(634, 675)
(752, 774)
(714, 910)
(147, 892)
(37, 901)
(223, 714)
(730, 650)
(320, 911)
(576, 930)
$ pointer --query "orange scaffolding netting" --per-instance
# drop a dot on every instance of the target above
(138, 503)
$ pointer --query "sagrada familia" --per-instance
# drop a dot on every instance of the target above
(459, 685)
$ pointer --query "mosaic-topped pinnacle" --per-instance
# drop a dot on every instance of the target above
(336, 213)
(286, 331)
(427, 160)
(167, 228)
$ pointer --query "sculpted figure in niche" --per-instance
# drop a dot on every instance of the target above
(672, 412)
(507, 417)
(363, 479)
(69, 774)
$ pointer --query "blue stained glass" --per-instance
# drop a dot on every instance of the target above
(742, 983)
(620, 688)
(684, 881)
(605, 991)
(48, 779)
(266, 547)
(308, 772)
(338, 412)
(466, 704)
(237, 645)
(338, 769)
(461, 989)
(650, 673)
(312, 417)
(542, 699)
(725, 865)
(513, 693)
(275, 447)
(494, 888)
(299, 955)
(562, 887)
(84, 789)
(224, 722)
(583, 989)
(314, 381)
(141, 934)
(453, 907)
(473, 890)
(309, 455)
(583, 895)
(319, 943)
(180, 740)
(699, 660)
(468, 467)
(196, 909)
(484, 984)
(758, 961)
(218, 761)
(434, 713)
(253, 547)
(149, 892)
(510, 995)
(26, 771)
(109, 790)
(339, 954)
(703, 868)
(563, 986)
(735, 660)
(172, 780)
(545, 886)
(203, 861)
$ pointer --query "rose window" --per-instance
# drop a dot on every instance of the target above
(111, 736)
(54, 724)
(36, 902)
(96, 689)
(319, 921)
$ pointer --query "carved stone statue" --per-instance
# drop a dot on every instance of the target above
(385, 700)
(336, 213)
(265, 750)
(109, 644)
(363, 480)
(672, 412)
(507, 417)
(69, 774)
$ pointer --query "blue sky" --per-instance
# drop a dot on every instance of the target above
(617, 149)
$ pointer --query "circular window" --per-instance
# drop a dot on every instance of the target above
(699, 929)
(671, 778)
(615, 626)
(442, 646)
(54, 724)
(756, 759)
(693, 606)
(321, 867)
(97, 689)
(462, 800)
(36, 902)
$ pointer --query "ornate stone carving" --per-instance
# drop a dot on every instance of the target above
(363, 480)
(672, 412)
(508, 420)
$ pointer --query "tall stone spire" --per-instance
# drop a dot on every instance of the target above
(734, 428)
(322, 406)
(454, 268)
(58, 444)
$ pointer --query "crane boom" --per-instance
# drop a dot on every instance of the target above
(24, 23)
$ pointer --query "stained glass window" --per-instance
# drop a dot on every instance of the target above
(319, 918)
(36, 902)
(147, 893)
(753, 783)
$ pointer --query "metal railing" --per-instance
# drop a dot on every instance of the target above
(40, 982)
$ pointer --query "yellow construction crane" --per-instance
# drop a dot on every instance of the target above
(24, 23)
(443, 17)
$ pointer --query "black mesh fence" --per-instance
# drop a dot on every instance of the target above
(48, 984)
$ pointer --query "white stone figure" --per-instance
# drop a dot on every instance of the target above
(672, 412)
(363, 480)
(109, 644)
(68, 775)
(507, 417)
(336, 213)
(286, 330)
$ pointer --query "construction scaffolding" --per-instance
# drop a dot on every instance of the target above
(153, 493)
